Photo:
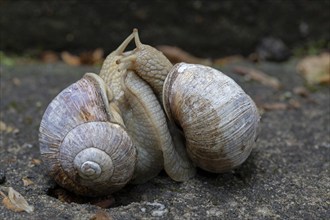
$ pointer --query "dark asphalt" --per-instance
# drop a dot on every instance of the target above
(287, 175)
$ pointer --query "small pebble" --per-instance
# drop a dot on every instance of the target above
(159, 213)
(27, 145)
(160, 209)
(2, 176)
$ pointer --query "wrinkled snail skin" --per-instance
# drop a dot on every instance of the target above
(218, 119)
(136, 104)
(144, 119)
(148, 63)
(153, 67)
(146, 124)
(86, 152)
(111, 73)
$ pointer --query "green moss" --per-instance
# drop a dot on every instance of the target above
(311, 48)
(6, 60)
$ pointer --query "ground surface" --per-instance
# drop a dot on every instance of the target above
(287, 175)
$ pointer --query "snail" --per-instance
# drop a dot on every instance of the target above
(107, 130)
(140, 115)
(217, 118)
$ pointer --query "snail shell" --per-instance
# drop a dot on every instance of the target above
(84, 143)
(218, 119)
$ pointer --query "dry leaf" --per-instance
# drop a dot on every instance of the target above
(259, 76)
(101, 215)
(104, 203)
(253, 57)
(49, 57)
(7, 128)
(274, 106)
(92, 57)
(16, 202)
(97, 55)
(177, 55)
(302, 91)
(87, 57)
(227, 60)
(315, 69)
(1, 193)
(293, 103)
(3, 126)
(36, 161)
(9, 205)
(70, 59)
(16, 81)
(27, 181)
(19, 201)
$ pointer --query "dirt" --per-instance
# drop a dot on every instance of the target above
(287, 175)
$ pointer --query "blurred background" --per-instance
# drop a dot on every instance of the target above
(259, 29)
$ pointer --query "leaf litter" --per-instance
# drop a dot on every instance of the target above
(315, 69)
(15, 201)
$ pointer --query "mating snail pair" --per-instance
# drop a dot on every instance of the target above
(140, 115)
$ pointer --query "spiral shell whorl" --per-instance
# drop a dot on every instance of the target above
(84, 151)
(97, 158)
(89, 169)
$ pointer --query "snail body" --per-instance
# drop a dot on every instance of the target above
(136, 103)
(105, 131)
(144, 119)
